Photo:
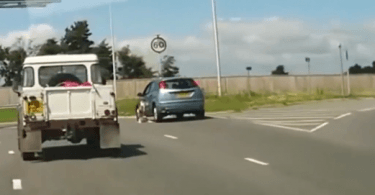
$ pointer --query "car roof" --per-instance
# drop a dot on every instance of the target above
(169, 78)
(60, 58)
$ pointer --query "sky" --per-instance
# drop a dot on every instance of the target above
(261, 34)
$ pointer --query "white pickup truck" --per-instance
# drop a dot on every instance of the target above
(50, 108)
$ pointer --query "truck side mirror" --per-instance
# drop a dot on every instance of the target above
(140, 95)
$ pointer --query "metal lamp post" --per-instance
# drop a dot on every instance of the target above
(308, 67)
(217, 47)
(342, 73)
(113, 51)
(248, 79)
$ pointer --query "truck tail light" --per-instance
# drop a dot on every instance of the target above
(107, 112)
(162, 85)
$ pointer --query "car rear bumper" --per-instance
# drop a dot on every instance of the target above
(181, 107)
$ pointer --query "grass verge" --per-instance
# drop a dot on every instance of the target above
(8, 115)
(214, 103)
(246, 101)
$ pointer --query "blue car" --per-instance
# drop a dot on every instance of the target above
(172, 96)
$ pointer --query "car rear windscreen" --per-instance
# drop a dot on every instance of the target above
(180, 84)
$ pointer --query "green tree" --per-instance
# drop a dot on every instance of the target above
(11, 64)
(279, 70)
(168, 69)
(104, 53)
(50, 47)
(12, 59)
(133, 66)
(76, 39)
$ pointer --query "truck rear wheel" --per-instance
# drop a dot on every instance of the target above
(28, 156)
(93, 140)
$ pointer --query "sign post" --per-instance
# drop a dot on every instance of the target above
(308, 67)
(348, 79)
(248, 79)
(159, 45)
(342, 73)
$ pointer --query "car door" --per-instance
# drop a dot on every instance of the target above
(147, 96)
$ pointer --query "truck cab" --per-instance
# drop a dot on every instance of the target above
(64, 97)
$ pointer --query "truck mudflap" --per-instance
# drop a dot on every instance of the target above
(109, 135)
(30, 141)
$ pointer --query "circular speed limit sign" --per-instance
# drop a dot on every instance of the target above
(158, 45)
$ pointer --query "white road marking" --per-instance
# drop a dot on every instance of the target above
(297, 121)
(170, 136)
(277, 118)
(283, 127)
(343, 115)
(257, 161)
(366, 109)
(11, 152)
(318, 127)
(17, 185)
(295, 124)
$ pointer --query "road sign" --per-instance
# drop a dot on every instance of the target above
(307, 59)
(248, 68)
(158, 45)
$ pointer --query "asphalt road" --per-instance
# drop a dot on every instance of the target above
(231, 154)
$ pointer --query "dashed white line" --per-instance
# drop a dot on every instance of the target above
(318, 127)
(17, 185)
(257, 161)
(170, 136)
(366, 109)
(343, 115)
(11, 152)
(277, 118)
(283, 127)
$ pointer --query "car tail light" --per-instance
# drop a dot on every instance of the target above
(107, 112)
(162, 85)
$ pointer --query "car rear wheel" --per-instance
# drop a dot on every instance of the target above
(157, 115)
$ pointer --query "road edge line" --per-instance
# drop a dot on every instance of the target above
(318, 127)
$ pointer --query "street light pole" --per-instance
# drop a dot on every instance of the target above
(113, 51)
(216, 46)
(342, 73)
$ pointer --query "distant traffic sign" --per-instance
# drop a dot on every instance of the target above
(158, 45)
(248, 68)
